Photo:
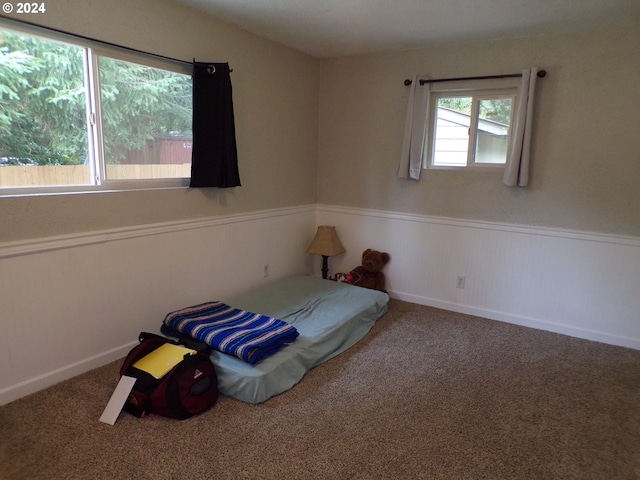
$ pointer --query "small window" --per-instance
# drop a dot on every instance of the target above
(469, 128)
(76, 116)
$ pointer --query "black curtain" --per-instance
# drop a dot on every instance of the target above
(214, 158)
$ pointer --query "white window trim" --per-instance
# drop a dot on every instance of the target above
(93, 50)
(479, 90)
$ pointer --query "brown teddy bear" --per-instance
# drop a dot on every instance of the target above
(369, 274)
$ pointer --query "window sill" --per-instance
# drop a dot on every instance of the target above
(111, 187)
(474, 167)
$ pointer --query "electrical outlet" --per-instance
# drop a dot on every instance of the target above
(460, 282)
(266, 270)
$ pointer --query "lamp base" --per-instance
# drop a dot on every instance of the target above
(325, 266)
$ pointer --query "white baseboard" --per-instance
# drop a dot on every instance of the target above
(580, 284)
(32, 385)
(559, 328)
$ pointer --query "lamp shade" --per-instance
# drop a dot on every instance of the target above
(326, 242)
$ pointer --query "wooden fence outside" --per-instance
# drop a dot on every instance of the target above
(31, 176)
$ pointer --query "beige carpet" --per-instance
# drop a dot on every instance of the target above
(428, 394)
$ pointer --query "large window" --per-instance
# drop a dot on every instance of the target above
(469, 128)
(79, 116)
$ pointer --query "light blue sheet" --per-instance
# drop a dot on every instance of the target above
(330, 317)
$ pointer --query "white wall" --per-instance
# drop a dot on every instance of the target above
(580, 284)
(72, 303)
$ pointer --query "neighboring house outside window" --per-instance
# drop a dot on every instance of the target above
(469, 128)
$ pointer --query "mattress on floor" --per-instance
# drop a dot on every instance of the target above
(329, 316)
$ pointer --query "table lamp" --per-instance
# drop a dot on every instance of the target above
(327, 244)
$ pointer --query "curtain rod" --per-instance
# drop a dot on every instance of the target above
(102, 42)
(541, 74)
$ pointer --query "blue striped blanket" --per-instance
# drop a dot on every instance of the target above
(248, 336)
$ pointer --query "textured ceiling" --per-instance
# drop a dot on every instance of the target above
(328, 28)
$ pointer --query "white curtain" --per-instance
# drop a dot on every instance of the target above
(516, 172)
(415, 130)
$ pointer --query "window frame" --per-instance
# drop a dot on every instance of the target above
(93, 51)
(495, 89)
